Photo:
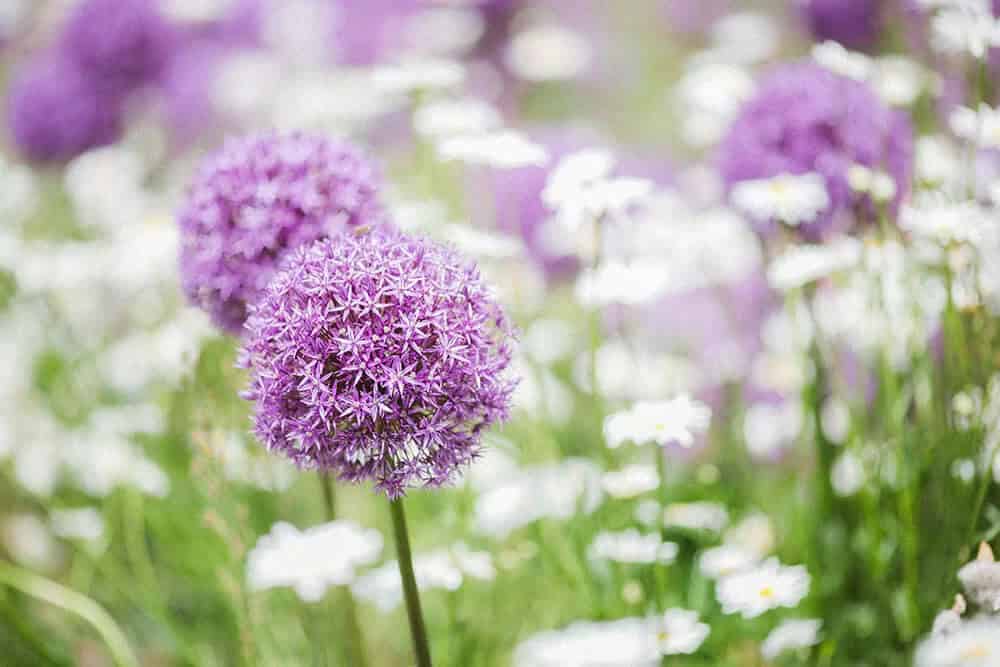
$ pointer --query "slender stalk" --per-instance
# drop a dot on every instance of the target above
(664, 496)
(418, 631)
(355, 646)
(71, 601)
(329, 499)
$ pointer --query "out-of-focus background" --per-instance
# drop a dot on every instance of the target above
(132, 491)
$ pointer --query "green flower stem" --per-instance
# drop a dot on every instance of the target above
(664, 498)
(418, 631)
(355, 646)
(73, 602)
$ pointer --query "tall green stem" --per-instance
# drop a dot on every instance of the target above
(355, 646)
(664, 495)
(418, 631)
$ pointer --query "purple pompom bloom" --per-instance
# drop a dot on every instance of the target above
(259, 197)
(365, 32)
(379, 357)
(120, 44)
(55, 113)
(854, 23)
(804, 118)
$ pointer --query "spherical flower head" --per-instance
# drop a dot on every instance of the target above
(120, 44)
(379, 357)
(254, 200)
(55, 113)
(805, 118)
(854, 23)
(365, 32)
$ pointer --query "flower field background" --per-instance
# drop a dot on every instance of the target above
(674, 326)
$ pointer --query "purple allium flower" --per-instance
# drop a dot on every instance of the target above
(55, 113)
(380, 357)
(120, 44)
(693, 16)
(187, 87)
(804, 118)
(854, 23)
(255, 199)
(364, 32)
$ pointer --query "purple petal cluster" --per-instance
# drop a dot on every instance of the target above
(54, 113)
(364, 32)
(856, 24)
(380, 357)
(259, 197)
(119, 44)
(805, 118)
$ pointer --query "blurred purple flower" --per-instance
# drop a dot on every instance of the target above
(854, 23)
(187, 86)
(517, 194)
(239, 25)
(55, 113)
(255, 199)
(380, 357)
(804, 118)
(693, 16)
(120, 44)
(365, 32)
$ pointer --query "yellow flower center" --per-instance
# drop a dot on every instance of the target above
(767, 592)
(976, 651)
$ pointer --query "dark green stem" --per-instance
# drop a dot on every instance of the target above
(418, 631)
(355, 646)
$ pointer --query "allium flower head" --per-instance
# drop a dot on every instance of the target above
(380, 357)
(257, 198)
(805, 118)
(119, 44)
(854, 23)
(55, 112)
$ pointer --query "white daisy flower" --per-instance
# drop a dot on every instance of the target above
(313, 559)
(85, 524)
(791, 635)
(980, 127)
(628, 642)
(631, 481)
(973, 643)
(681, 632)
(581, 189)
(548, 52)
(704, 515)
(631, 546)
(502, 149)
(454, 117)
(442, 569)
(768, 586)
(966, 29)
(790, 198)
(417, 75)
(981, 579)
(726, 559)
(679, 420)
(804, 264)
(838, 59)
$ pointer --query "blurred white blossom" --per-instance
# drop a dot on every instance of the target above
(765, 587)
(791, 635)
(679, 421)
(313, 559)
